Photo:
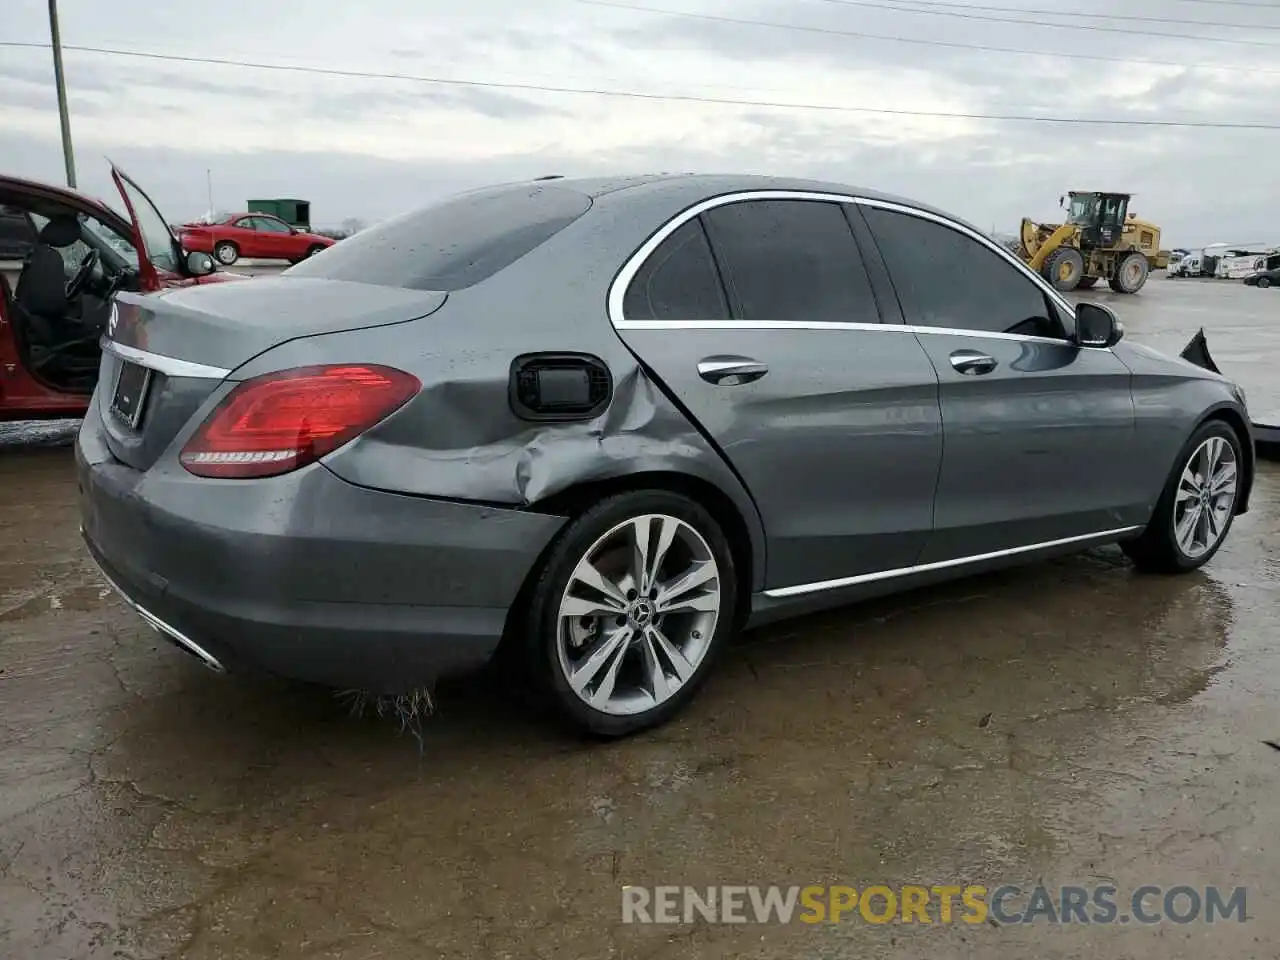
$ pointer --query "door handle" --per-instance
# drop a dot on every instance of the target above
(731, 371)
(972, 363)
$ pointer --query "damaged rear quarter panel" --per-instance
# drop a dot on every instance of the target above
(460, 439)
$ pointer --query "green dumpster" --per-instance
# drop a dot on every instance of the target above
(296, 213)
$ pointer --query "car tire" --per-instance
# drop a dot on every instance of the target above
(226, 253)
(312, 251)
(1264, 282)
(571, 627)
(1160, 548)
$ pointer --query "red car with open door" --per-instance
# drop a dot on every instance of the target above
(63, 256)
(257, 236)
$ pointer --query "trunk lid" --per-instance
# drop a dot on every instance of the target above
(191, 339)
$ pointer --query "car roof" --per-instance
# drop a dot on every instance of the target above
(685, 189)
(716, 183)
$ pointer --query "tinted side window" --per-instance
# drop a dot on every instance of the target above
(946, 279)
(678, 281)
(791, 261)
(453, 243)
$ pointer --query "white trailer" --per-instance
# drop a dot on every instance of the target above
(1239, 267)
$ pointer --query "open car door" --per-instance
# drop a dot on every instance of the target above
(160, 256)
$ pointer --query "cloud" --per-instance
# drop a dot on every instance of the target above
(487, 103)
(26, 74)
(170, 80)
(368, 147)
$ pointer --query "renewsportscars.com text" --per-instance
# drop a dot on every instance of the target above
(942, 904)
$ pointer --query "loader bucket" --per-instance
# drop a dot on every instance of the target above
(1266, 427)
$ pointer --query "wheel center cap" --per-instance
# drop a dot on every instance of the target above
(641, 613)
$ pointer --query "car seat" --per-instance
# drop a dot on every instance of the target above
(41, 310)
(42, 285)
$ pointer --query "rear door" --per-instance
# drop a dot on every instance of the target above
(1039, 432)
(759, 316)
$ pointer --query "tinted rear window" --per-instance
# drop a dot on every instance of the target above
(452, 244)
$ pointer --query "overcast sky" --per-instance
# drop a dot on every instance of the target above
(369, 147)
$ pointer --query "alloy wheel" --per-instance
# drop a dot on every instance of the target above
(1206, 497)
(638, 614)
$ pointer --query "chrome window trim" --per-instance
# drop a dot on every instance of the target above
(618, 289)
(778, 593)
(830, 325)
(169, 366)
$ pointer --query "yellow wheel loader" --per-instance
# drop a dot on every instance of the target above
(1100, 240)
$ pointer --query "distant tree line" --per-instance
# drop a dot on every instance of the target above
(350, 227)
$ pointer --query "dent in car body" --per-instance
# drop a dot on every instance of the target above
(460, 439)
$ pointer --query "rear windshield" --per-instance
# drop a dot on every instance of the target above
(453, 243)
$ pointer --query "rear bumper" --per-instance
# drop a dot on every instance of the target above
(307, 576)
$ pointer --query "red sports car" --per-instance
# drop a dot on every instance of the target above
(257, 236)
(68, 255)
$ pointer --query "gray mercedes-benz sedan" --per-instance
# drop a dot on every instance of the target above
(607, 424)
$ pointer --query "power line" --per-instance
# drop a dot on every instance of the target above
(1266, 5)
(1094, 16)
(1089, 28)
(658, 97)
(922, 41)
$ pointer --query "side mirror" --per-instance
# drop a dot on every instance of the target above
(200, 264)
(1097, 326)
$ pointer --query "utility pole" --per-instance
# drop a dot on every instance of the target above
(208, 174)
(63, 114)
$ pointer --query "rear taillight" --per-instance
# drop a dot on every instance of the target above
(281, 421)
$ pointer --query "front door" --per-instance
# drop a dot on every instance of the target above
(273, 240)
(1039, 432)
(759, 316)
(159, 252)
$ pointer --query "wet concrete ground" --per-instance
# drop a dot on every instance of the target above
(1065, 723)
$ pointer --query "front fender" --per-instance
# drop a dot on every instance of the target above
(1265, 432)
(1171, 399)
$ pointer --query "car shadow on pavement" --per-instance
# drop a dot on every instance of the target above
(1011, 636)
